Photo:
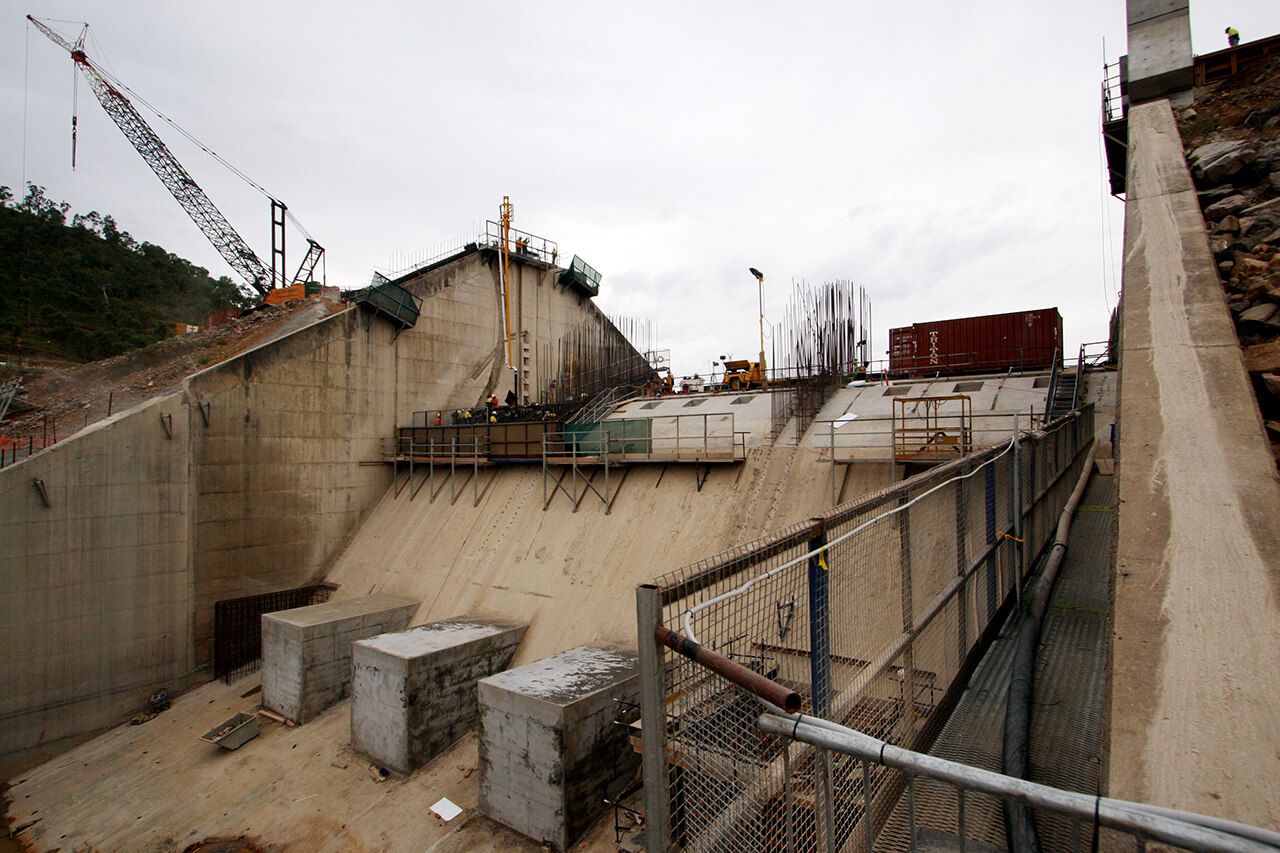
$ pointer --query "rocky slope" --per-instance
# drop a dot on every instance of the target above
(1232, 139)
(54, 403)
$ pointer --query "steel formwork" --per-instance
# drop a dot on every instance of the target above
(874, 611)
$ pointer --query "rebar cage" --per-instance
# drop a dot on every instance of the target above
(237, 626)
(875, 612)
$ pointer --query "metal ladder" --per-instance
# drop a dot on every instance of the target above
(1064, 389)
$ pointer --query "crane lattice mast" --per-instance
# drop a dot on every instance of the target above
(215, 226)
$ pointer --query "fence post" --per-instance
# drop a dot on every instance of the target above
(819, 620)
(820, 661)
(993, 561)
(832, 427)
(962, 563)
(1017, 508)
(908, 622)
(653, 716)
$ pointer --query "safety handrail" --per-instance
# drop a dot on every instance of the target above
(1182, 829)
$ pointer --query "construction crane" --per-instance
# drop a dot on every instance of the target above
(215, 226)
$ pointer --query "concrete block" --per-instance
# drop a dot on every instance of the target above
(1160, 58)
(306, 653)
(549, 752)
(413, 692)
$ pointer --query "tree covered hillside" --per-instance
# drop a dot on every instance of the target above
(87, 290)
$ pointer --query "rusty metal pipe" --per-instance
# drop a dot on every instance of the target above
(747, 679)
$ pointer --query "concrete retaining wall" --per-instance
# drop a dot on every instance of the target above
(414, 692)
(258, 499)
(95, 589)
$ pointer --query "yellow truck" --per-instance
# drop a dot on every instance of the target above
(742, 375)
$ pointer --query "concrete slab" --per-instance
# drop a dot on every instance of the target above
(157, 787)
(414, 692)
(720, 415)
(864, 437)
(306, 651)
(1196, 629)
(550, 751)
(861, 417)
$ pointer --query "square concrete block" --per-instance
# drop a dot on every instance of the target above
(414, 692)
(549, 750)
(306, 652)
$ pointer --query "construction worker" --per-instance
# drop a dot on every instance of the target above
(437, 423)
(493, 417)
(1233, 36)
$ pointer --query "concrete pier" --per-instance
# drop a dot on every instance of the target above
(306, 652)
(1160, 59)
(549, 749)
(414, 692)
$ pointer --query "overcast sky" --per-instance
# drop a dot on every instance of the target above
(945, 156)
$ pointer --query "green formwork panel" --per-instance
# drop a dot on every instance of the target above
(630, 436)
(393, 301)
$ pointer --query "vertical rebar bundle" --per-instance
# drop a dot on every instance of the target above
(825, 330)
(823, 337)
(596, 354)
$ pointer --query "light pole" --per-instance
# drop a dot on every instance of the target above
(764, 377)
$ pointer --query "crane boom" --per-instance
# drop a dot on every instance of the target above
(215, 226)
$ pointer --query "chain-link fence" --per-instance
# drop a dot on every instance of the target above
(875, 612)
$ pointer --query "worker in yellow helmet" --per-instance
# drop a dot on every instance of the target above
(1233, 36)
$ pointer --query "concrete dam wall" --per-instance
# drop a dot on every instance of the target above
(247, 478)
(571, 575)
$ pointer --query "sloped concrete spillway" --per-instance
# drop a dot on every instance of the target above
(568, 572)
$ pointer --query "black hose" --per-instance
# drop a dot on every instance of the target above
(1019, 819)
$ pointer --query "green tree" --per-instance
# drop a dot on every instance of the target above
(88, 290)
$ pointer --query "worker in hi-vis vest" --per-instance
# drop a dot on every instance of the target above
(1233, 36)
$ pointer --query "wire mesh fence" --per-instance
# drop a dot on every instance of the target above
(875, 612)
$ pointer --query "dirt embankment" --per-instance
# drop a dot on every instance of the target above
(55, 401)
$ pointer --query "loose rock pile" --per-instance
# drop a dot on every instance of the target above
(1237, 176)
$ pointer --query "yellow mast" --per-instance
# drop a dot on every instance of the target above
(507, 211)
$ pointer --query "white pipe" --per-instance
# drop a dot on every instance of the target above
(1193, 832)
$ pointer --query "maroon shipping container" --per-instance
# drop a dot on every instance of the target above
(1023, 340)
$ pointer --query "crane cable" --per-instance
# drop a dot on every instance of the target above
(115, 81)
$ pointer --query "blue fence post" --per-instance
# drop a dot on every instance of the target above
(819, 621)
(820, 667)
(989, 482)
